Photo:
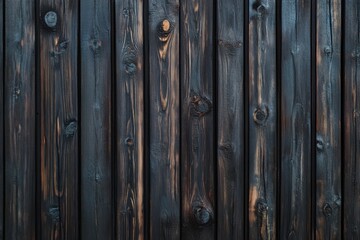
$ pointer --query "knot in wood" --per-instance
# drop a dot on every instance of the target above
(50, 19)
(261, 207)
(95, 45)
(260, 115)
(70, 129)
(259, 7)
(164, 29)
(327, 209)
(328, 50)
(129, 142)
(202, 215)
(54, 214)
(320, 144)
(200, 105)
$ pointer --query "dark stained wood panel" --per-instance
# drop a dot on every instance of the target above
(19, 129)
(295, 122)
(96, 158)
(328, 120)
(198, 180)
(2, 122)
(351, 111)
(263, 161)
(230, 115)
(164, 130)
(129, 97)
(59, 159)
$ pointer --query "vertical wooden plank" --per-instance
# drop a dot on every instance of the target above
(59, 119)
(96, 159)
(19, 131)
(328, 119)
(164, 128)
(2, 184)
(351, 119)
(295, 120)
(129, 119)
(231, 167)
(262, 120)
(197, 143)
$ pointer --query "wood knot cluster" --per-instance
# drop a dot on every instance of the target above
(200, 105)
(164, 29)
(260, 115)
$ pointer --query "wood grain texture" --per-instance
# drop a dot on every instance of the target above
(2, 184)
(58, 51)
(262, 120)
(96, 158)
(328, 120)
(197, 136)
(129, 119)
(351, 113)
(230, 115)
(295, 120)
(19, 130)
(164, 79)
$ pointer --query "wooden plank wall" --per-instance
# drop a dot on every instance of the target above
(179, 119)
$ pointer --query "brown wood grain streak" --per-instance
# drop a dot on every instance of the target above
(96, 165)
(262, 120)
(230, 117)
(328, 120)
(59, 119)
(164, 119)
(19, 131)
(351, 83)
(129, 119)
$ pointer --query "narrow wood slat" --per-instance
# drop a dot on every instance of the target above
(197, 134)
(328, 120)
(164, 82)
(96, 159)
(295, 120)
(262, 120)
(351, 119)
(129, 119)
(230, 142)
(58, 41)
(2, 123)
(19, 131)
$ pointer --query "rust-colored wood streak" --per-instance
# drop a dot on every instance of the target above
(1, 122)
(129, 119)
(164, 82)
(19, 131)
(58, 41)
(295, 120)
(262, 120)
(197, 135)
(96, 159)
(351, 125)
(230, 142)
(328, 119)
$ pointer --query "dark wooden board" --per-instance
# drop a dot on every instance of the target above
(164, 82)
(58, 41)
(129, 170)
(351, 111)
(96, 158)
(328, 119)
(230, 115)
(19, 130)
(295, 122)
(262, 120)
(197, 113)
(2, 192)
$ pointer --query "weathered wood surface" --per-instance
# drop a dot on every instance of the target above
(262, 120)
(164, 82)
(2, 122)
(295, 122)
(58, 79)
(230, 116)
(328, 120)
(198, 180)
(96, 144)
(351, 111)
(129, 97)
(19, 129)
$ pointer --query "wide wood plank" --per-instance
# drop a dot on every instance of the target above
(164, 82)
(230, 142)
(96, 158)
(58, 61)
(328, 119)
(295, 120)
(262, 120)
(351, 120)
(198, 181)
(1, 122)
(129, 119)
(19, 130)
